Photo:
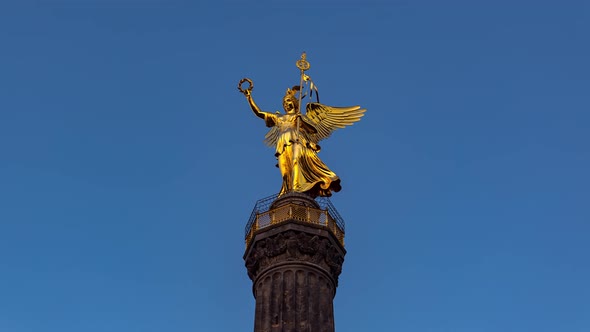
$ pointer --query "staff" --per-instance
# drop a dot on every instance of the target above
(303, 65)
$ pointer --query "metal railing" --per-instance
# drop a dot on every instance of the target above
(263, 216)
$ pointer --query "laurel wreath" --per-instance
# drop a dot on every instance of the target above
(250, 87)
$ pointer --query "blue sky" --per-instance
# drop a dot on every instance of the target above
(129, 162)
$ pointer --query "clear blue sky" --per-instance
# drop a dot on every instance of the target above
(129, 162)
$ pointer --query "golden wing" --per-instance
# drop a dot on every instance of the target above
(272, 137)
(325, 119)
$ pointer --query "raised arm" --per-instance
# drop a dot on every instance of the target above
(259, 113)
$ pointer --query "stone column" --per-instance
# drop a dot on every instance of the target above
(294, 267)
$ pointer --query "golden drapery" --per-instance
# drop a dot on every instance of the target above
(301, 168)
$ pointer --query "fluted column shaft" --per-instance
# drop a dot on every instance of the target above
(294, 268)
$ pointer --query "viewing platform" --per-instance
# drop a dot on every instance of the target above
(298, 207)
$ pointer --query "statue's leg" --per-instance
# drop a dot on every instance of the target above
(284, 162)
(296, 170)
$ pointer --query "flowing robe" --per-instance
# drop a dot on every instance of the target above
(301, 168)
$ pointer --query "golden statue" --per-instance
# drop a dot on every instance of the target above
(296, 136)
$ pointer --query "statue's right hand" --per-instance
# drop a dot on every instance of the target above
(247, 91)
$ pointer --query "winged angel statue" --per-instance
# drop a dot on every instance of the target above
(296, 137)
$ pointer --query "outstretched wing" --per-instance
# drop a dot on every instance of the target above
(325, 119)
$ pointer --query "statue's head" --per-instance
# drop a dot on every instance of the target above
(290, 102)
